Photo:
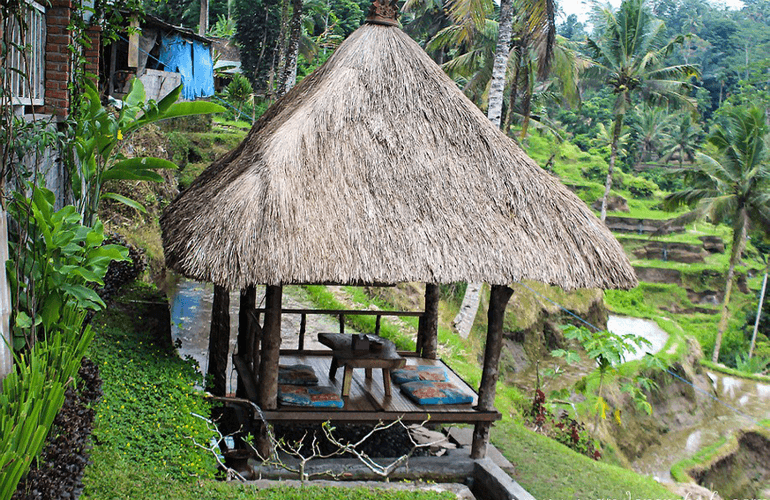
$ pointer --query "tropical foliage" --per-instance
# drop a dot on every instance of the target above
(629, 54)
(609, 350)
(58, 260)
(99, 134)
(731, 187)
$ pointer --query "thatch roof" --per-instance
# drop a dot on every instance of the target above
(377, 169)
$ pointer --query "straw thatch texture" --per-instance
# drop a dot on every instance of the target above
(377, 169)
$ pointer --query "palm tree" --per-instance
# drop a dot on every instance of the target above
(536, 32)
(472, 66)
(629, 54)
(651, 127)
(734, 187)
(524, 71)
(683, 139)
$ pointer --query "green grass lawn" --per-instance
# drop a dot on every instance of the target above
(550, 470)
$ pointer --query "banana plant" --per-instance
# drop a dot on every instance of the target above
(100, 134)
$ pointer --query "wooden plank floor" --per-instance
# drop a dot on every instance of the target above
(367, 401)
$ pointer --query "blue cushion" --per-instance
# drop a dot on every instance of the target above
(427, 392)
(318, 396)
(412, 373)
(297, 375)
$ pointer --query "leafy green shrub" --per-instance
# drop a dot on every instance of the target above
(640, 187)
(665, 180)
(756, 364)
(608, 350)
(57, 261)
(238, 92)
(596, 172)
(98, 137)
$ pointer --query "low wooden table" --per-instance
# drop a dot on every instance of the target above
(343, 354)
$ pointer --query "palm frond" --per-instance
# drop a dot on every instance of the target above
(469, 15)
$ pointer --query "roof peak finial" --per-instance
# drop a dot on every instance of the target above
(383, 12)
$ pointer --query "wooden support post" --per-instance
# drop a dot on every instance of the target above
(245, 332)
(219, 342)
(430, 322)
(342, 323)
(256, 340)
(498, 300)
(271, 345)
(377, 324)
(302, 328)
(420, 341)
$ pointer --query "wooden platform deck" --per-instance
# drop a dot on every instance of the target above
(367, 401)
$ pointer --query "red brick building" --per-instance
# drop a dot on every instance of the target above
(49, 59)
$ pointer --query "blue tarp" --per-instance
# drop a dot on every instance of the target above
(203, 67)
(192, 60)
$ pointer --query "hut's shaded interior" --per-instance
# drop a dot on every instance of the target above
(259, 355)
(376, 169)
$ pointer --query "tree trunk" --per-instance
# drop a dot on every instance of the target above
(497, 83)
(203, 25)
(739, 239)
(6, 335)
(289, 77)
(467, 314)
(464, 319)
(759, 314)
(219, 342)
(271, 345)
(498, 299)
(618, 126)
(283, 35)
(512, 94)
(642, 154)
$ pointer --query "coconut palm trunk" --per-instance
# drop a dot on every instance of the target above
(203, 25)
(759, 314)
(739, 240)
(497, 83)
(470, 305)
(616, 129)
(289, 77)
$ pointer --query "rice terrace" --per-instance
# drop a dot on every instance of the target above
(355, 249)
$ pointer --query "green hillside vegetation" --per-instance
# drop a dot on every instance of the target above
(654, 300)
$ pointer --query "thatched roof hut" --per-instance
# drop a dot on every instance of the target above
(377, 169)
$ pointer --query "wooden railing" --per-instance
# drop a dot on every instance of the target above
(340, 313)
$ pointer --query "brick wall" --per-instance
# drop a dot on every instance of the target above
(57, 57)
(92, 53)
